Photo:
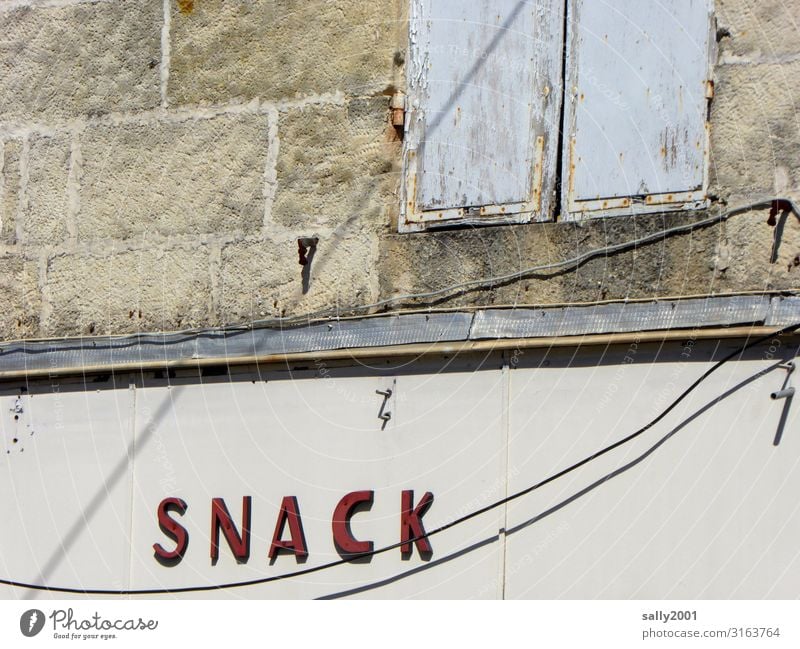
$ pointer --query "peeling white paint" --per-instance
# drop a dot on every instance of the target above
(638, 72)
(479, 91)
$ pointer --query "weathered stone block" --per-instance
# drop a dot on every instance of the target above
(277, 49)
(133, 290)
(19, 297)
(86, 58)
(44, 220)
(10, 180)
(752, 256)
(256, 278)
(754, 133)
(763, 30)
(336, 163)
(263, 279)
(196, 176)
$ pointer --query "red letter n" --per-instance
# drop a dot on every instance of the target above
(221, 519)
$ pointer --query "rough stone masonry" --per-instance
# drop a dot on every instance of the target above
(159, 160)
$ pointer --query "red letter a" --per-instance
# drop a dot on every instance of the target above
(290, 513)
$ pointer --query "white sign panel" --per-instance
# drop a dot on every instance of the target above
(219, 487)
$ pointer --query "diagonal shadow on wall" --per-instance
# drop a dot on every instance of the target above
(117, 473)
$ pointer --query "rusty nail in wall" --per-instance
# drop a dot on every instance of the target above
(778, 205)
(304, 246)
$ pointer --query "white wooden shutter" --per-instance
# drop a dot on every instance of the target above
(483, 106)
(637, 87)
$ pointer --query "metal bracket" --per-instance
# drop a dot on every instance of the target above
(787, 391)
(384, 414)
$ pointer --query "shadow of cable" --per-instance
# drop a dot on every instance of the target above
(413, 571)
(557, 507)
(117, 473)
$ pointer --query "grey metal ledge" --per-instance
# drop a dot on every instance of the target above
(77, 354)
(620, 317)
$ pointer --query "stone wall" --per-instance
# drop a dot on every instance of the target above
(159, 160)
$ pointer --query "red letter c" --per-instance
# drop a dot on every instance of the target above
(346, 545)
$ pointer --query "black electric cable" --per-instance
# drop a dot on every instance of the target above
(441, 528)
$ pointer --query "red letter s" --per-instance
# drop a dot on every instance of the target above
(173, 530)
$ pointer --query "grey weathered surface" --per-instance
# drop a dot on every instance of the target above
(617, 318)
(73, 60)
(151, 348)
(480, 87)
(636, 103)
(784, 310)
(384, 331)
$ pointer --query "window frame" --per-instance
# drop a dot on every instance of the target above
(543, 134)
(554, 148)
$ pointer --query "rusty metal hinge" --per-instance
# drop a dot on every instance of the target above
(398, 106)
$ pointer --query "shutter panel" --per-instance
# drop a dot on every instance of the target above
(638, 85)
(483, 108)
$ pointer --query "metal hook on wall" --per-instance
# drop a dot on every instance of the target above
(383, 414)
(786, 392)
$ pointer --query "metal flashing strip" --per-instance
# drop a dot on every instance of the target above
(147, 348)
(783, 310)
(215, 346)
(618, 318)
